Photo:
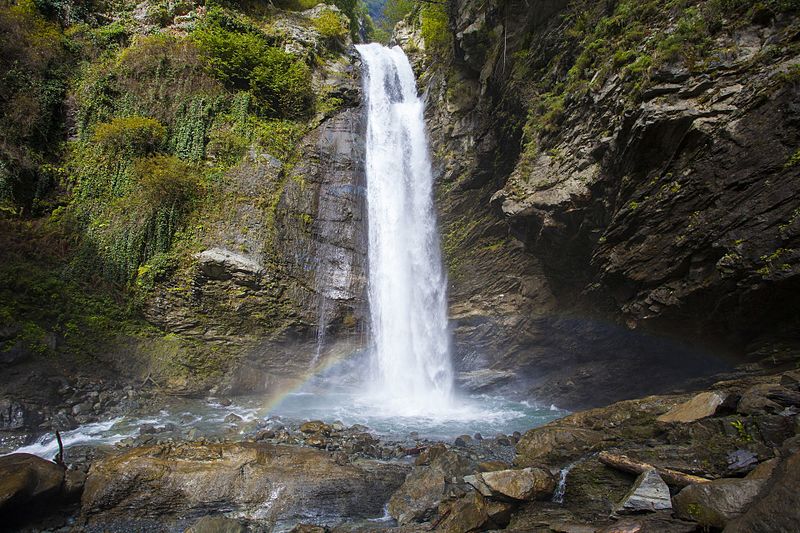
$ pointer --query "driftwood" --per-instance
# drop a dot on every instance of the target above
(59, 460)
(671, 477)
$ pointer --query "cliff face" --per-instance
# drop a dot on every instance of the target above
(613, 175)
(209, 184)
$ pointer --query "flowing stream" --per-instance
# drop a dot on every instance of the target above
(412, 372)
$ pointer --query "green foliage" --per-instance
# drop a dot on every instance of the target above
(243, 58)
(741, 429)
(793, 161)
(332, 28)
(166, 181)
(392, 12)
(41, 303)
(435, 27)
(157, 76)
(131, 135)
(33, 75)
(193, 121)
(281, 85)
(226, 146)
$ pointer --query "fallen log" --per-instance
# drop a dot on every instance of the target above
(671, 477)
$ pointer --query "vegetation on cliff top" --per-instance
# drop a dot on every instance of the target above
(629, 39)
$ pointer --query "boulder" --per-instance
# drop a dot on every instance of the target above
(649, 493)
(468, 513)
(221, 264)
(315, 426)
(418, 499)
(430, 453)
(767, 397)
(700, 406)
(521, 485)
(778, 504)
(308, 528)
(27, 479)
(232, 418)
(554, 444)
(473, 512)
(160, 484)
(717, 503)
(463, 441)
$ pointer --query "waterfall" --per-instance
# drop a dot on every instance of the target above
(412, 373)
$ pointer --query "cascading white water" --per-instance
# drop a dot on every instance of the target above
(407, 284)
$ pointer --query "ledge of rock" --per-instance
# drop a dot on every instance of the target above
(220, 264)
(275, 483)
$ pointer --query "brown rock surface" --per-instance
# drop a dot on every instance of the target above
(271, 482)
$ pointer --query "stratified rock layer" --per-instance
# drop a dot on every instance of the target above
(272, 483)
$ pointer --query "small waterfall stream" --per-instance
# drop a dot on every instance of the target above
(407, 284)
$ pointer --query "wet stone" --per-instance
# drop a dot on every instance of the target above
(649, 493)
(232, 418)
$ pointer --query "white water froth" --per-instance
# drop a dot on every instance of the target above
(94, 434)
(412, 373)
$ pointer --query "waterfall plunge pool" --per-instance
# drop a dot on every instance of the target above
(188, 419)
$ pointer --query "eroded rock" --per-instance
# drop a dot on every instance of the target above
(274, 482)
(778, 505)
(554, 442)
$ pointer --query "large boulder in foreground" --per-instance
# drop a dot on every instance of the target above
(717, 503)
(266, 482)
(778, 504)
(27, 479)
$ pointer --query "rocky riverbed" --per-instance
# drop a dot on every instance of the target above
(726, 458)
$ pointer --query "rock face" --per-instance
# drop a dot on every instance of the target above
(27, 479)
(580, 216)
(284, 254)
(273, 483)
(649, 493)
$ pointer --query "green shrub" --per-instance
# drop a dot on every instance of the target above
(244, 58)
(34, 65)
(166, 181)
(226, 146)
(281, 85)
(331, 27)
(136, 135)
(435, 27)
